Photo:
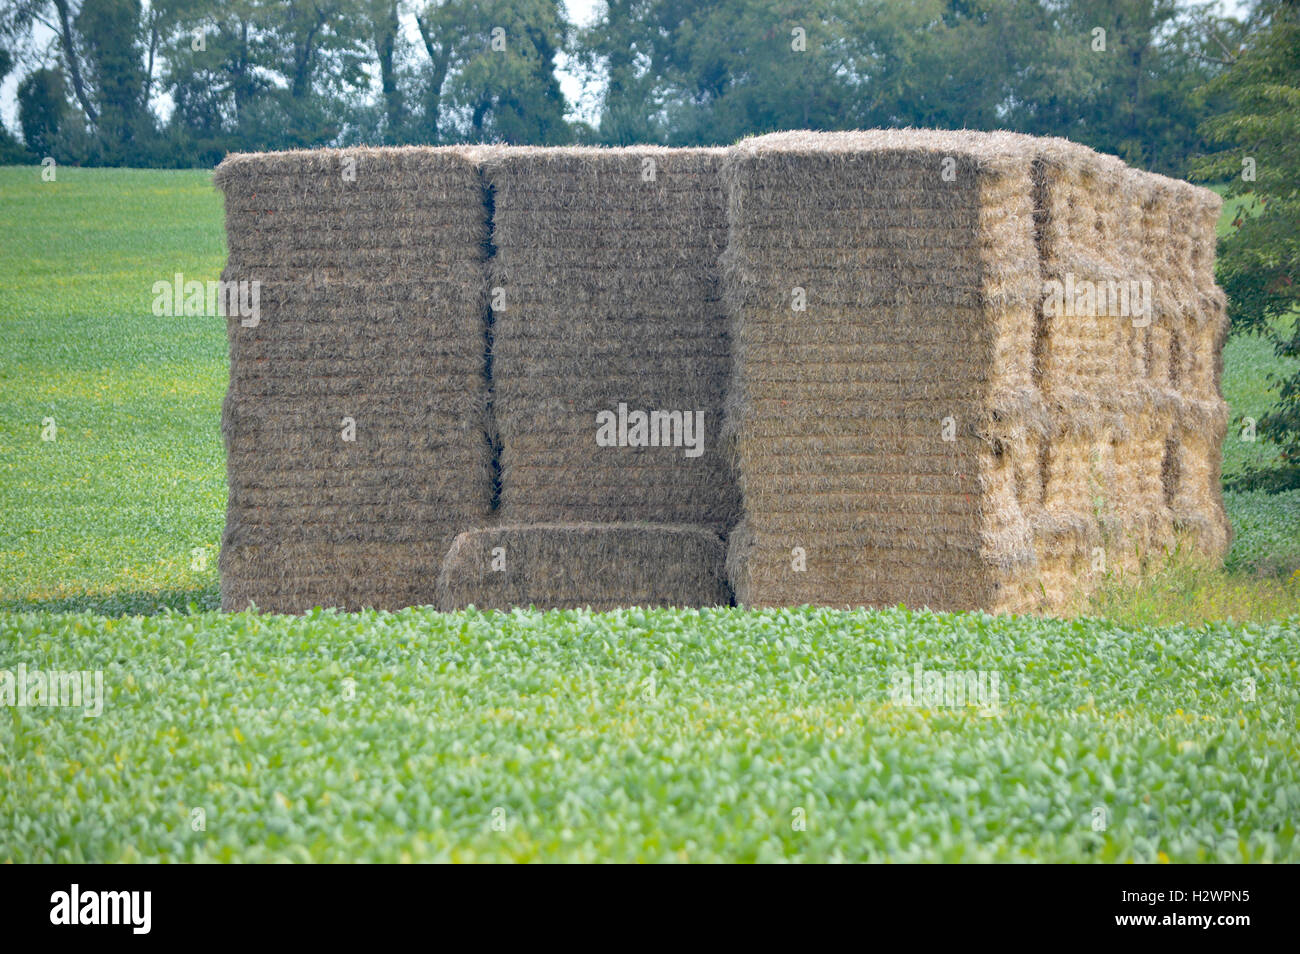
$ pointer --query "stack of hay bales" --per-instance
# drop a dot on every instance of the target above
(1130, 374)
(610, 362)
(1181, 238)
(576, 565)
(371, 264)
(1083, 426)
(879, 429)
(887, 337)
(606, 280)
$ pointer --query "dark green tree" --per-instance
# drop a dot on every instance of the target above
(110, 34)
(443, 33)
(619, 47)
(1118, 75)
(265, 74)
(11, 150)
(687, 72)
(319, 49)
(382, 18)
(18, 21)
(98, 43)
(948, 64)
(1259, 260)
(42, 104)
(215, 76)
(491, 73)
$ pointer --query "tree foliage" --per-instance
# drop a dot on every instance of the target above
(183, 81)
(1259, 261)
(42, 103)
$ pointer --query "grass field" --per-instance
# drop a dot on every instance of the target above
(631, 735)
(107, 514)
(652, 736)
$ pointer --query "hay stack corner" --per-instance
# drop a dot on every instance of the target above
(972, 370)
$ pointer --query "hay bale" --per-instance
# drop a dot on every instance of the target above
(572, 566)
(922, 430)
(1134, 395)
(372, 309)
(926, 300)
(915, 253)
(608, 263)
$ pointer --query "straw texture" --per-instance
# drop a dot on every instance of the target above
(1132, 468)
(372, 305)
(914, 253)
(572, 566)
(924, 259)
(895, 408)
(606, 264)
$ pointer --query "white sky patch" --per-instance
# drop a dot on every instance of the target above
(584, 104)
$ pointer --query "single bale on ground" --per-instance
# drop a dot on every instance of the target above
(574, 566)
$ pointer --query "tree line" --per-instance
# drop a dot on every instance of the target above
(182, 82)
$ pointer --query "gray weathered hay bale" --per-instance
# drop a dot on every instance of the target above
(372, 308)
(611, 296)
(572, 566)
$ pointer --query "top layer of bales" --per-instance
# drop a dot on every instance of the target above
(310, 163)
(984, 147)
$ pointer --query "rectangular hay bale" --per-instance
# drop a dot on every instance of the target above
(880, 282)
(607, 301)
(906, 353)
(371, 264)
(574, 566)
(1131, 381)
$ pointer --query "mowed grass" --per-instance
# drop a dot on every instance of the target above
(724, 735)
(652, 736)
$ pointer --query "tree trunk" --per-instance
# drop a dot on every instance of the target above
(385, 43)
(440, 58)
(74, 63)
